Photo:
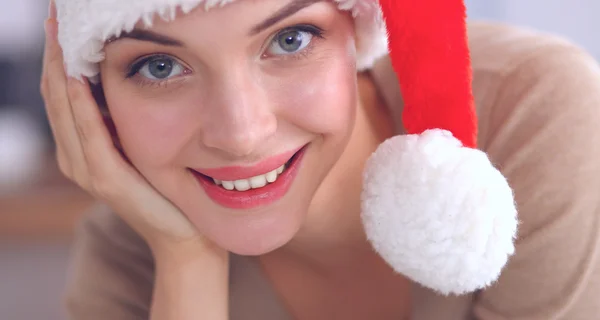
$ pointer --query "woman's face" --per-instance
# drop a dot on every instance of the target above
(211, 106)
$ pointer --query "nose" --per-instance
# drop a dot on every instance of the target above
(240, 118)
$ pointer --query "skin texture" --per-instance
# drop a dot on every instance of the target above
(238, 101)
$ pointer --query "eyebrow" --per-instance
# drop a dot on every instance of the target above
(290, 9)
(283, 13)
(149, 36)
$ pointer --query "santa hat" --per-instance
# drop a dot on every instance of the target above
(433, 206)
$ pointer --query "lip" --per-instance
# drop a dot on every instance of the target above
(252, 198)
(246, 172)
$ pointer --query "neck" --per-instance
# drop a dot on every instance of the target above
(332, 236)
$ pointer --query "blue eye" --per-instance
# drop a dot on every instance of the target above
(290, 42)
(161, 68)
(156, 68)
(293, 40)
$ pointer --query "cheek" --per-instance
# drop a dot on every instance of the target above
(151, 134)
(321, 99)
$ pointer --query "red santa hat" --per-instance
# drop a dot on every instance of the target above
(433, 206)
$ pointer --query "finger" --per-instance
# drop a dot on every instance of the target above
(58, 108)
(50, 33)
(51, 16)
(54, 76)
(49, 52)
(107, 169)
(52, 9)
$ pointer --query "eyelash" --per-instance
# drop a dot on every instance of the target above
(316, 32)
(132, 71)
(134, 68)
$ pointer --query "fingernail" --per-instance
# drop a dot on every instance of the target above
(52, 10)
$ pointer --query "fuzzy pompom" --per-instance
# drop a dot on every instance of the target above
(439, 213)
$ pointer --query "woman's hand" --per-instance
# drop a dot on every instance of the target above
(191, 272)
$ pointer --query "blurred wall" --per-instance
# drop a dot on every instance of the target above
(576, 20)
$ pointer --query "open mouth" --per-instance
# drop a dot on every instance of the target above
(252, 192)
(256, 182)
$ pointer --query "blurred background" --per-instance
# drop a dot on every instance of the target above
(39, 208)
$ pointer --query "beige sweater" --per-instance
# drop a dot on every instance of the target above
(538, 102)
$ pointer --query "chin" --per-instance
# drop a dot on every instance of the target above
(256, 233)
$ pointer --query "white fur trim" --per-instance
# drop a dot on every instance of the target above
(439, 213)
(85, 25)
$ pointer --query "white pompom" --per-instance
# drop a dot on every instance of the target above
(439, 213)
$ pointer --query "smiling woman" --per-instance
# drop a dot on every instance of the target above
(252, 134)
(253, 161)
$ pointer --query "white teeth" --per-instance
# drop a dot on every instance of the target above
(251, 183)
(242, 185)
(228, 185)
(271, 176)
(258, 182)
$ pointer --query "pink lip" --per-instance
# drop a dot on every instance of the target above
(239, 172)
(254, 197)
